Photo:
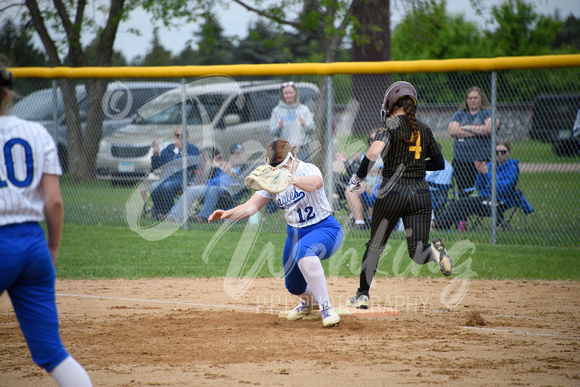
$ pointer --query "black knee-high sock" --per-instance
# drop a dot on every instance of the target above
(369, 265)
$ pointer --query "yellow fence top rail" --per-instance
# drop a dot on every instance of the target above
(286, 69)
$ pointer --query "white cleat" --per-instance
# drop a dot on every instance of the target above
(301, 311)
(442, 258)
(330, 317)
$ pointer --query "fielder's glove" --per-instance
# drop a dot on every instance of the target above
(271, 179)
(354, 183)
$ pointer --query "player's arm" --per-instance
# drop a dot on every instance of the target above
(307, 183)
(435, 163)
(370, 157)
(54, 212)
(367, 163)
(243, 211)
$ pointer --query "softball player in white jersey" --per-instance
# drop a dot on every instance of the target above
(29, 189)
(313, 233)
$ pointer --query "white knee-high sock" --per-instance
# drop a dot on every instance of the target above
(308, 296)
(313, 273)
(69, 373)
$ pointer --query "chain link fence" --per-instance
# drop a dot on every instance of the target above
(109, 177)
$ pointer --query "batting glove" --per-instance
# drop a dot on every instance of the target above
(354, 183)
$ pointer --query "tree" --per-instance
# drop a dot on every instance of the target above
(372, 42)
(267, 44)
(328, 20)
(18, 51)
(569, 36)
(214, 47)
(262, 45)
(428, 31)
(60, 26)
(91, 51)
(521, 30)
(16, 45)
(157, 54)
(61, 37)
(186, 57)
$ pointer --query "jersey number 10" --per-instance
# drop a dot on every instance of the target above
(9, 162)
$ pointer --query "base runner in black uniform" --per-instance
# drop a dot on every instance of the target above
(408, 149)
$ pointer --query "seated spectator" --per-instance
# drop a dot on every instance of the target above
(439, 185)
(364, 197)
(226, 178)
(163, 192)
(343, 168)
(358, 201)
(507, 177)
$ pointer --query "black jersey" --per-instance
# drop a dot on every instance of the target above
(405, 159)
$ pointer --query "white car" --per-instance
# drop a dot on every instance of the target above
(120, 104)
(218, 114)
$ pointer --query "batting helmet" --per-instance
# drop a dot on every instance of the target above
(395, 92)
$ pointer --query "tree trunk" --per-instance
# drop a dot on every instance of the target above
(368, 90)
(90, 146)
(82, 145)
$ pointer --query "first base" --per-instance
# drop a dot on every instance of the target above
(373, 312)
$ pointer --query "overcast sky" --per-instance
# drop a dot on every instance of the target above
(235, 21)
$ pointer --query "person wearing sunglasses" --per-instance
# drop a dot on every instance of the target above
(507, 175)
(292, 121)
(164, 190)
(313, 234)
(226, 180)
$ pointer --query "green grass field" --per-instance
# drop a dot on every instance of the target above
(554, 196)
(89, 252)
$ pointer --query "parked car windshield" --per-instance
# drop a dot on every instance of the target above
(36, 107)
(167, 110)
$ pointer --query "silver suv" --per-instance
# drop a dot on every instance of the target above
(120, 104)
(218, 113)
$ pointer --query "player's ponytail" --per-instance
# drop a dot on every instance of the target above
(410, 110)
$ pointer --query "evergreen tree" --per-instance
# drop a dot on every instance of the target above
(91, 51)
(157, 55)
(569, 35)
(16, 45)
(262, 45)
(213, 47)
(186, 57)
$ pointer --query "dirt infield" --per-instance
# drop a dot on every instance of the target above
(190, 332)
